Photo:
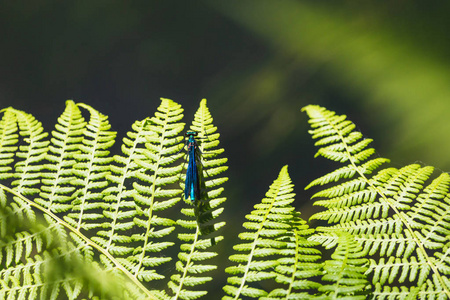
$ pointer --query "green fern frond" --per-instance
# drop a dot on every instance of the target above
(137, 191)
(119, 202)
(399, 216)
(270, 235)
(345, 274)
(8, 142)
(27, 173)
(299, 265)
(27, 158)
(90, 171)
(57, 190)
(31, 154)
(154, 194)
(201, 219)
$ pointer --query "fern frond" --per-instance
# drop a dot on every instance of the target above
(299, 265)
(119, 207)
(137, 190)
(269, 236)
(346, 272)
(107, 211)
(57, 173)
(28, 156)
(21, 244)
(154, 194)
(8, 142)
(29, 168)
(57, 190)
(201, 219)
(396, 215)
(90, 171)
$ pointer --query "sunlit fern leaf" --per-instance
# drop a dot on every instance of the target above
(28, 168)
(11, 155)
(57, 171)
(156, 190)
(119, 207)
(8, 142)
(345, 274)
(90, 171)
(201, 220)
(137, 190)
(400, 216)
(31, 154)
(265, 241)
(57, 190)
(298, 269)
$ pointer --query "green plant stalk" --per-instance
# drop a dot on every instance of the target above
(83, 237)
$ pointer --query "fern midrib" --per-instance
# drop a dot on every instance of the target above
(83, 237)
(399, 214)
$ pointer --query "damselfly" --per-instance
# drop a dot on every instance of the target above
(193, 176)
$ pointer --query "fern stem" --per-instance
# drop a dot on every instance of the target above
(83, 237)
(393, 207)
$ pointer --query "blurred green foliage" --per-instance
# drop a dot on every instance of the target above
(389, 59)
(257, 61)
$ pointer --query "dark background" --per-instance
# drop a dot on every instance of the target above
(384, 65)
